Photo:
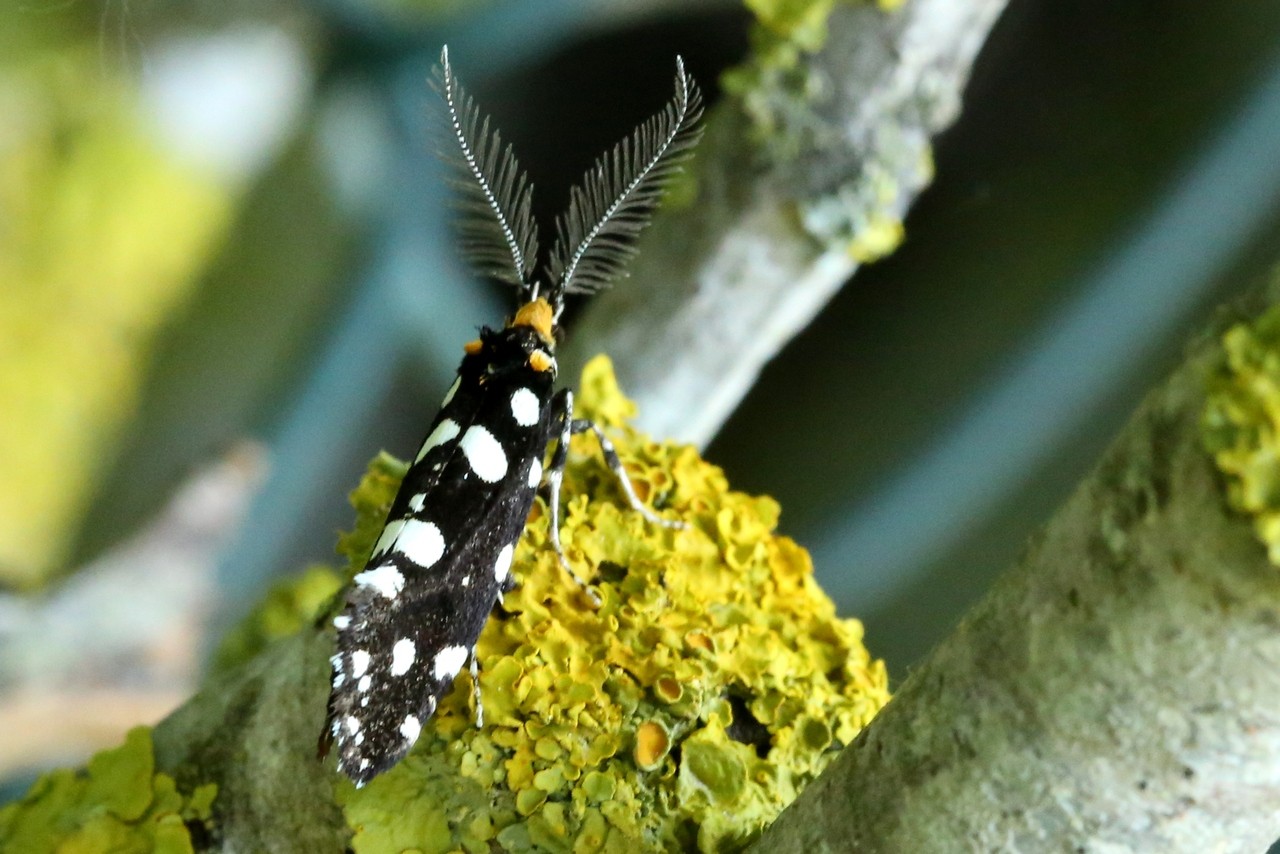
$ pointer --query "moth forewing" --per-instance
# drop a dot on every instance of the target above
(413, 615)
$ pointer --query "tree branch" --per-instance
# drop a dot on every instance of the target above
(1118, 690)
(845, 148)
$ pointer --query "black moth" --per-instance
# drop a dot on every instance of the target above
(412, 617)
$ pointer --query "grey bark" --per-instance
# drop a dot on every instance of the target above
(253, 731)
(1118, 690)
(724, 285)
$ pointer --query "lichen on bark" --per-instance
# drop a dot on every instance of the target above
(1117, 690)
(711, 685)
(119, 803)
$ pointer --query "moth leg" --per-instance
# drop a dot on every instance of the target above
(615, 465)
(475, 688)
(508, 584)
(563, 401)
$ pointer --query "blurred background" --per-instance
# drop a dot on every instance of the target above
(227, 280)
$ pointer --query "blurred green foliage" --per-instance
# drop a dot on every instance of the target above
(101, 235)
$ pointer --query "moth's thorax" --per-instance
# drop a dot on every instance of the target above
(516, 348)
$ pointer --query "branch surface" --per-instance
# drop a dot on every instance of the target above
(844, 150)
(1119, 690)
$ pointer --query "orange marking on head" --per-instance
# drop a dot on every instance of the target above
(540, 361)
(473, 347)
(537, 315)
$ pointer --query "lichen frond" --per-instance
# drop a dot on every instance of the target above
(118, 804)
(1241, 423)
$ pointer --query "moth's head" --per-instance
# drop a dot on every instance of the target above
(539, 316)
(527, 339)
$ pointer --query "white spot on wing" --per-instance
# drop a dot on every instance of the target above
(386, 579)
(365, 683)
(524, 407)
(415, 503)
(341, 622)
(389, 534)
(402, 656)
(359, 663)
(421, 542)
(338, 680)
(353, 724)
(448, 662)
(445, 431)
(502, 565)
(448, 395)
(485, 455)
(535, 473)
(410, 728)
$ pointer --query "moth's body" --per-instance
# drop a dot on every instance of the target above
(434, 569)
(413, 615)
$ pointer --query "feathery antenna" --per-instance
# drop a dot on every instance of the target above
(497, 231)
(612, 204)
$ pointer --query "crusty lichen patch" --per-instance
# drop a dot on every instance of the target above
(1242, 423)
(118, 804)
(712, 683)
(796, 117)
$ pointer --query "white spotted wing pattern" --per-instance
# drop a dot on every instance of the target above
(410, 620)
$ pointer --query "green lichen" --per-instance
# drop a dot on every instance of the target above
(117, 804)
(1241, 424)
(710, 686)
(287, 608)
(852, 203)
(773, 77)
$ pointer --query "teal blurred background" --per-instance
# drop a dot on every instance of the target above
(1112, 177)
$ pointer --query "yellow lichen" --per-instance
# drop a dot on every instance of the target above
(713, 682)
(1241, 423)
(652, 743)
(117, 804)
